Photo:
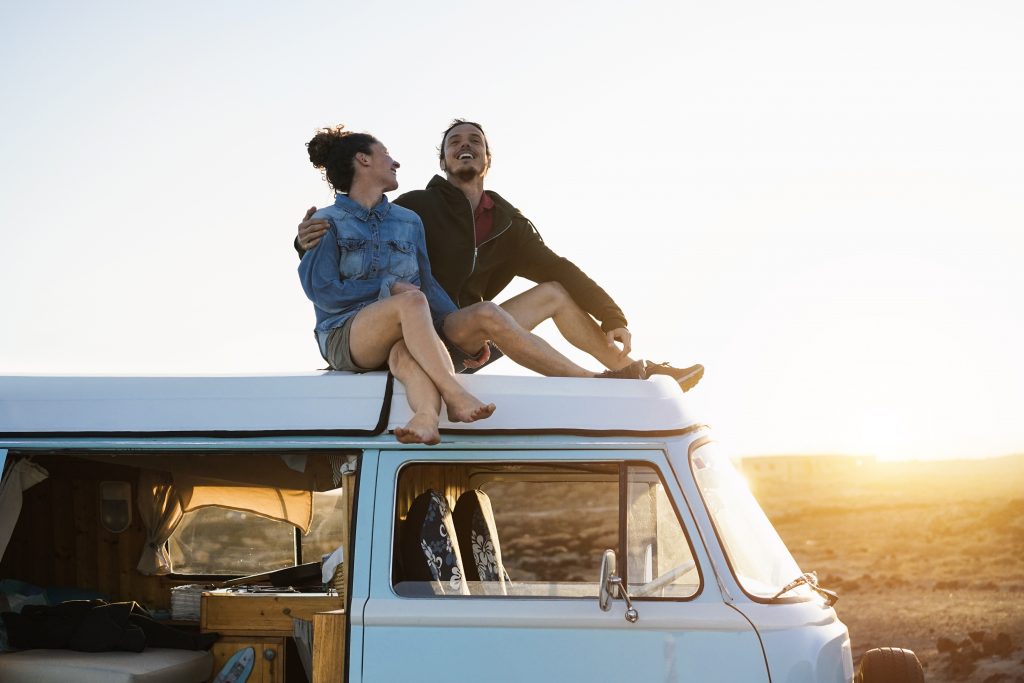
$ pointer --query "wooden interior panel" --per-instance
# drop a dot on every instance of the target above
(58, 540)
(329, 647)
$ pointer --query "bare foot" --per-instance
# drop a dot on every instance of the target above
(468, 408)
(422, 428)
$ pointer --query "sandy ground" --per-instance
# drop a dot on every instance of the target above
(918, 552)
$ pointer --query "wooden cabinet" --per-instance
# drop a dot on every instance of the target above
(263, 621)
(256, 614)
(269, 664)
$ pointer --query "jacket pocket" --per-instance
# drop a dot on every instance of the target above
(402, 259)
(352, 257)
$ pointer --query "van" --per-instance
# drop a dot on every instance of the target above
(590, 530)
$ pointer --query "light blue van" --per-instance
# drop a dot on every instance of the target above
(591, 530)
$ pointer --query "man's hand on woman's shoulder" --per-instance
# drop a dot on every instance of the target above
(311, 230)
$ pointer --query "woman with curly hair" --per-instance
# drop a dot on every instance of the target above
(370, 283)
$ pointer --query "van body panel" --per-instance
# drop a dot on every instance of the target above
(362, 558)
(804, 642)
(323, 403)
(521, 638)
(296, 403)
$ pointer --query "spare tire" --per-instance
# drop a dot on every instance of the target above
(889, 665)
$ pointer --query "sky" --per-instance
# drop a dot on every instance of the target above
(821, 202)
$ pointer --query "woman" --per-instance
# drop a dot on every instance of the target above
(370, 283)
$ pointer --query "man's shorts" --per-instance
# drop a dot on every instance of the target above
(339, 350)
(458, 355)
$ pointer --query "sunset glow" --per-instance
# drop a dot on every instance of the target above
(821, 203)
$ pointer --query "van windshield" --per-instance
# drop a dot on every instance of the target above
(758, 557)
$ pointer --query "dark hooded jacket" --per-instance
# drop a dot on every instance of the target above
(471, 273)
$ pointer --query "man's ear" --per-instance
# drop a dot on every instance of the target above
(363, 158)
(443, 167)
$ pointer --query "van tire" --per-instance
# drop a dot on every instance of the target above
(889, 665)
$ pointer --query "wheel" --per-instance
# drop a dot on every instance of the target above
(889, 665)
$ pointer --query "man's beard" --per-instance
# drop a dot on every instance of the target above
(467, 173)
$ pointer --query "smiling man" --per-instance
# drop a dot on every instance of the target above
(477, 242)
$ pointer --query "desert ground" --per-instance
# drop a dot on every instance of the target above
(924, 555)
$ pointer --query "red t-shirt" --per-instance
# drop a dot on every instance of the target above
(483, 218)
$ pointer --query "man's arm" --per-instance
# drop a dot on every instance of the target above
(440, 303)
(535, 261)
(310, 231)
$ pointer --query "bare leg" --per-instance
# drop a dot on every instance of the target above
(423, 398)
(470, 327)
(550, 300)
(406, 316)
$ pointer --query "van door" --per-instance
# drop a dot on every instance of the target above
(510, 592)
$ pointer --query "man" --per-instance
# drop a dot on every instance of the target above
(477, 242)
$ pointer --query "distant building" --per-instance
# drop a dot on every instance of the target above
(781, 468)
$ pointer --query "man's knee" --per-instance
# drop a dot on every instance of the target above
(553, 295)
(493, 319)
(553, 291)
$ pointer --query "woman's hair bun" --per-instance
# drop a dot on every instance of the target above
(323, 144)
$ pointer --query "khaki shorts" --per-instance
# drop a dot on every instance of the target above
(458, 355)
(339, 350)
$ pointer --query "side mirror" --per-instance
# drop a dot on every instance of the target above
(605, 588)
(610, 585)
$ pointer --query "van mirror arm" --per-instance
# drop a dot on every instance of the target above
(610, 585)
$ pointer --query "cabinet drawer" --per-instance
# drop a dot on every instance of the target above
(261, 614)
(269, 666)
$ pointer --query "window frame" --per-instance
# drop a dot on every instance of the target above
(654, 458)
(795, 598)
(296, 536)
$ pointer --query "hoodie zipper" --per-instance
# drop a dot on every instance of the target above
(476, 247)
(472, 223)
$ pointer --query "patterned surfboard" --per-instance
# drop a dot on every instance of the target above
(238, 668)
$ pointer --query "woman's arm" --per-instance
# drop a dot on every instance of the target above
(322, 283)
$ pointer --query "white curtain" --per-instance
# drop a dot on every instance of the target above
(22, 475)
(160, 510)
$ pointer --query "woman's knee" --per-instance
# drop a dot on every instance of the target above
(413, 300)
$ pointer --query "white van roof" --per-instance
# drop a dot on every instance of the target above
(328, 403)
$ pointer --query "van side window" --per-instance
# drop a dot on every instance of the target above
(217, 540)
(488, 529)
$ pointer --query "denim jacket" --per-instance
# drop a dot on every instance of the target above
(360, 256)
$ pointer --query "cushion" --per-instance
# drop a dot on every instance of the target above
(153, 665)
(477, 534)
(430, 550)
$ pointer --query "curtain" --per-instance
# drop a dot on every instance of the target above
(22, 475)
(285, 505)
(160, 511)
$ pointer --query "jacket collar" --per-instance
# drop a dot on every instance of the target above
(343, 202)
(442, 185)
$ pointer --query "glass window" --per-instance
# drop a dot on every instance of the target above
(757, 555)
(215, 540)
(537, 530)
(555, 531)
(660, 562)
